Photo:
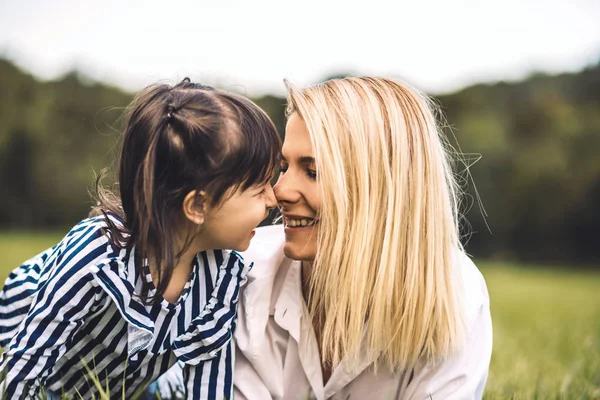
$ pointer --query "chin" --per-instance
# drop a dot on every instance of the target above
(297, 254)
(242, 247)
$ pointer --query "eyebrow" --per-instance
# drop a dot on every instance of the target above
(301, 159)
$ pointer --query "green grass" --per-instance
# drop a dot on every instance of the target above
(18, 246)
(546, 333)
(546, 324)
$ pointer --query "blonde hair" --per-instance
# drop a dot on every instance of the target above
(388, 240)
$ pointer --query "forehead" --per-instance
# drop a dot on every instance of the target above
(297, 139)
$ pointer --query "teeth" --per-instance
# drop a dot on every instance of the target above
(300, 222)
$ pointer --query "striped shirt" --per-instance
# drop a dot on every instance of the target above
(75, 308)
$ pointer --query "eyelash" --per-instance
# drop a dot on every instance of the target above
(310, 173)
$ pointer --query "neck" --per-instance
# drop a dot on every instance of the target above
(187, 258)
(183, 265)
(180, 275)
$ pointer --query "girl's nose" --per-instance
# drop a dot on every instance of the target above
(271, 200)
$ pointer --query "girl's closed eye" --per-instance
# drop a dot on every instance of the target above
(283, 168)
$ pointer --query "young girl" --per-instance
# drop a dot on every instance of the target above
(137, 288)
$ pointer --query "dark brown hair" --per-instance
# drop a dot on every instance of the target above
(178, 139)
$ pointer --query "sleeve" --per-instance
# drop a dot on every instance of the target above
(206, 350)
(212, 330)
(211, 379)
(462, 376)
(18, 293)
(56, 313)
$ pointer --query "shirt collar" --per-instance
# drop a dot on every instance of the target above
(116, 276)
(291, 314)
(289, 305)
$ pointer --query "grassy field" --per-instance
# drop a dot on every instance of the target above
(546, 333)
(546, 325)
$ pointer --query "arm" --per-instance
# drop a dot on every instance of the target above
(211, 379)
(18, 293)
(212, 330)
(206, 350)
(55, 315)
(462, 376)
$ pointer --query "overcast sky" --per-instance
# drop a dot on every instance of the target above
(439, 46)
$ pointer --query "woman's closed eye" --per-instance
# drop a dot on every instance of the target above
(311, 173)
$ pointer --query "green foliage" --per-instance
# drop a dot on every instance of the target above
(275, 107)
(53, 135)
(540, 173)
(538, 177)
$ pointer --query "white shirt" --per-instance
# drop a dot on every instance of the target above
(277, 355)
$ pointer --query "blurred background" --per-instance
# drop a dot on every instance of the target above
(517, 81)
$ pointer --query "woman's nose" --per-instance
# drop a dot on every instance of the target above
(284, 190)
(279, 190)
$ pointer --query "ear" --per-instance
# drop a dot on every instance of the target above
(194, 206)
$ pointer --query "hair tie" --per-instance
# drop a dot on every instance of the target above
(170, 112)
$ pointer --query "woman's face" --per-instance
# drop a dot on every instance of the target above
(297, 192)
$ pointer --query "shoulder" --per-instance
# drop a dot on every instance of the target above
(67, 266)
(473, 289)
(266, 252)
(89, 239)
(267, 242)
(77, 254)
(93, 229)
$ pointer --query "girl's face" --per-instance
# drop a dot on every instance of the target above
(297, 192)
(230, 225)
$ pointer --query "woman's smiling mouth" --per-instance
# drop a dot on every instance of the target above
(298, 222)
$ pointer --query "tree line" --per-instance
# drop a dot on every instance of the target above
(526, 157)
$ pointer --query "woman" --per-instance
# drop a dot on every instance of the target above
(365, 291)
